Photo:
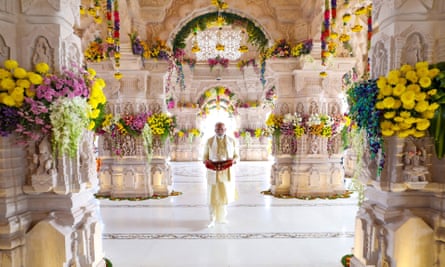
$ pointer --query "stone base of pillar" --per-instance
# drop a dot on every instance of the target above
(308, 176)
(125, 178)
(70, 236)
(161, 174)
(185, 152)
(254, 151)
(387, 222)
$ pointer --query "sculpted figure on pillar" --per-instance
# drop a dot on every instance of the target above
(380, 61)
(413, 50)
(42, 52)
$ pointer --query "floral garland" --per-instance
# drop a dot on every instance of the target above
(249, 104)
(191, 134)
(142, 124)
(270, 97)
(325, 31)
(224, 62)
(217, 92)
(245, 63)
(98, 50)
(299, 125)
(162, 125)
(362, 98)
(283, 49)
(93, 11)
(256, 35)
(156, 49)
(248, 132)
(60, 105)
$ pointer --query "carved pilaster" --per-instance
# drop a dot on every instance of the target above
(16, 218)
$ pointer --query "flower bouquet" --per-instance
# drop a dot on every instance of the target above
(47, 104)
(162, 125)
(218, 60)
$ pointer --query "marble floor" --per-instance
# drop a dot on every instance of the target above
(263, 231)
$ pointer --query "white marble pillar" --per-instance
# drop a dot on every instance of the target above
(14, 210)
(309, 165)
(401, 223)
(57, 210)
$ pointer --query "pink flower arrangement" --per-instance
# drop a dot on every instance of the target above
(224, 62)
(35, 114)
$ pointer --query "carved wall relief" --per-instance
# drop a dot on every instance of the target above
(313, 108)
(42, 52)
(379, 60)
(414, 49)
(4, 50)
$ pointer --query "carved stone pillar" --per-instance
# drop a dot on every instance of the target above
(404, 197)
(124, 171)
(159, 167)
(60, 192)
(311, 164)
(187, 147)
(49, 213)
(14, 213)
(252, 147)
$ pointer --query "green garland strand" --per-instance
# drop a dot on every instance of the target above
(256, 35)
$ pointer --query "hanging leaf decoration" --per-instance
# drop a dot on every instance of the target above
(256, 36)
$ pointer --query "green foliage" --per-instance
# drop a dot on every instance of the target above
(256, 35)
(108, 263)
(437, 128)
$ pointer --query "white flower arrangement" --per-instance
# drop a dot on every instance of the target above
(69, 118)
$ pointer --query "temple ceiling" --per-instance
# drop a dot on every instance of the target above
(289, 19)
(293, 20)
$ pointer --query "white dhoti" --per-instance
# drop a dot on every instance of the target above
(220, 184)
(221, 192)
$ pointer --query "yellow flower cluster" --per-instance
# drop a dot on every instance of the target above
(157, 50)
(195, 132)
(274, 121)
(95, 51)
(220, 4)
(97, 97)
(181, 133)
(296, 50)
(299, 131)
(404, 96)
(160, 124)
(16, 82)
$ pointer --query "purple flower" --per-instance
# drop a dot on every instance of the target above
(9, 120)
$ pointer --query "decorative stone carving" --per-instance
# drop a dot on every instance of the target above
(44, 176)
(4, 50)
(379, 60)
(414, 49)
(42, 52)
(313, 108)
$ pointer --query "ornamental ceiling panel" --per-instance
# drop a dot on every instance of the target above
(155, 3)
(164, 17)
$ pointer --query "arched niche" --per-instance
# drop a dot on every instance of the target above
(257, 35)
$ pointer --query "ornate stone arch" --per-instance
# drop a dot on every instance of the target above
(183, 28)
(217, 97)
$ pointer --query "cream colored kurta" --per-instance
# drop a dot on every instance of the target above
(221, 184)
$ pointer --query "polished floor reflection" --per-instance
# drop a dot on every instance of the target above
(263, 231)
